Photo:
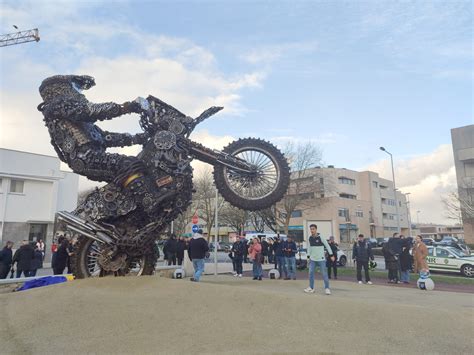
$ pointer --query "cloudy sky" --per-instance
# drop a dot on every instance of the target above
(350, 76)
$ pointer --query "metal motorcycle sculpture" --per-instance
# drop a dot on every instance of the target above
(118, 223)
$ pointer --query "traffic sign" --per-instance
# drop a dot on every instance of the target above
(195, 219)
(195, 228)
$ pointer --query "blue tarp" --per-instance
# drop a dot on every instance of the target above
(44, 281)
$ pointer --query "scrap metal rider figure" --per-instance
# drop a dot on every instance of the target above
(81, 144)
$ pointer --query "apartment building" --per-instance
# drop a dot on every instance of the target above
(32, 190)
(344, 203)
(463, 150)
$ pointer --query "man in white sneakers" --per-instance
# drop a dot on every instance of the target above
(317, 258)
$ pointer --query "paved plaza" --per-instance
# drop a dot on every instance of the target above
(228, 315)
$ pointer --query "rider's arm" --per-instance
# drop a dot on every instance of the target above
(109, 110)
(113, 139)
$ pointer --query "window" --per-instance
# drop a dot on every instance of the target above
(390, 228)
(430, 251)
(383, 187)
(375, 183)
(352, 197)
(389, 216)
(441, 253)
(304, 179)
(359, 214)
(343, 212)
(297, 213)
(321, 181)
(347, 181)
(306, 195)
(321, 195)
(16, 186)
(388, 201)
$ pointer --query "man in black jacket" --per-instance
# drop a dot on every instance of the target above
(197, 250)
(361, 253)
(180, 248)
(170, 249)
(6, 260)
(395, 244)
(330, 263)
(24, 257)
(238, 255)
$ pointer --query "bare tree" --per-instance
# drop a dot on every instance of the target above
(306, 188)
(205, 199)
(180, 223)
(257, 221)
(459, 206)
(234, 217)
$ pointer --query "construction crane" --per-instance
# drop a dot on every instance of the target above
(11, 39)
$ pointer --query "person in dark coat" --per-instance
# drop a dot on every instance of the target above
(238, 256)
(361, 253)
(170, 249)
(332, 264)
(197, 251)
(406, 260)
(6, 260)
(391, 263)
(24, 257)
(37, 262)
(280, 258)
(396, 245)
(265, 247)
(180, 248)
(62, 256)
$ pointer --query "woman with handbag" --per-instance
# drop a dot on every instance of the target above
(255, 253)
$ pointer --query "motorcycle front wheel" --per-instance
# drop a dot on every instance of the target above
(262, 188)
(84, 262)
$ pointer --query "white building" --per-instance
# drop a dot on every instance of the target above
(32, 190)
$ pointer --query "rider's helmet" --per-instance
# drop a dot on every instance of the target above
(63, 84)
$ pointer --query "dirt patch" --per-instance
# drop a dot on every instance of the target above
(229, 315)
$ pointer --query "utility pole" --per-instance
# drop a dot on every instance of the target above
(11, 39)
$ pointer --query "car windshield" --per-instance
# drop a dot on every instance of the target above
(456, 252)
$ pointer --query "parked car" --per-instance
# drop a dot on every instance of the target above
(450, 259)
(429, 241)
(302, 258)
(381, 241)
(372, 242)
(455, 243)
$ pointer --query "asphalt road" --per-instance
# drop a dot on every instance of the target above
(149, 315)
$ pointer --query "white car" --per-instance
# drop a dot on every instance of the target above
(341, 257)
(449, 259)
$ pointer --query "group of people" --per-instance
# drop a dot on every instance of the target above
(28, 258)
(403, 255)
(174, 249)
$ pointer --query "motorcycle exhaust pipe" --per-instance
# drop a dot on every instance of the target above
(98, 236)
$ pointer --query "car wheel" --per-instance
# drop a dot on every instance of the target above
(343, 261)
(467, 270)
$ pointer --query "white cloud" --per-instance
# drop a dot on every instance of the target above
(271, 53)
(427, 177)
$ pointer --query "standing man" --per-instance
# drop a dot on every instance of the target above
(265, 247)
(332, 264)
(180, 248)
(238, 251)
(361, 253)
(24, 258)
(290, 249)
(280, 257)
(395, 245)
(197, 250)
(171, 247)
(6, 260)
(316, 257)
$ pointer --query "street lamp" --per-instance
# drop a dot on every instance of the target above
(418, 218)
(408, 211)
(394, 188)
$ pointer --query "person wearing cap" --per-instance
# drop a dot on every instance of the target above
(317, 258)
(197, 250)
(332, 264)
(361, 253)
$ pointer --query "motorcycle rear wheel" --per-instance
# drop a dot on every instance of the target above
(258, 191)
(84, 261)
